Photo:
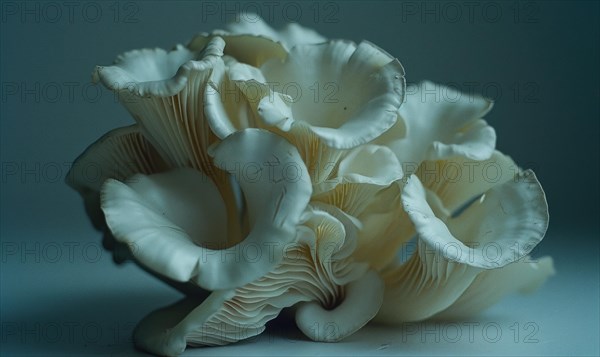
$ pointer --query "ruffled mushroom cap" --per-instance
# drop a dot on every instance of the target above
(437, 123)
(316, 272)
(175, 222)
(251, 49)
(324, 98)
(163, 92)
(346, 94)
(500, 228)
(289, 36)
(364, 186)
(267, 167)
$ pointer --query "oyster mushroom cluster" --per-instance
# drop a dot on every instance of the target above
(278, 169)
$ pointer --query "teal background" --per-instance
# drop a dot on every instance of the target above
(542, 55)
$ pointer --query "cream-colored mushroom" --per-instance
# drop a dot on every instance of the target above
(503, 226)
(175, 222)
(290, 35)
(317, 270)
(438, 122)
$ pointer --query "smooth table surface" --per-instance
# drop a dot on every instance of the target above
(70, 299)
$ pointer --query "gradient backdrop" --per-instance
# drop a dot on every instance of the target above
(61, 293)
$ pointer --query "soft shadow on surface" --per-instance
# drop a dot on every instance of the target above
(284, 327)
(95, 310)
(91, 324)
(102, 324)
